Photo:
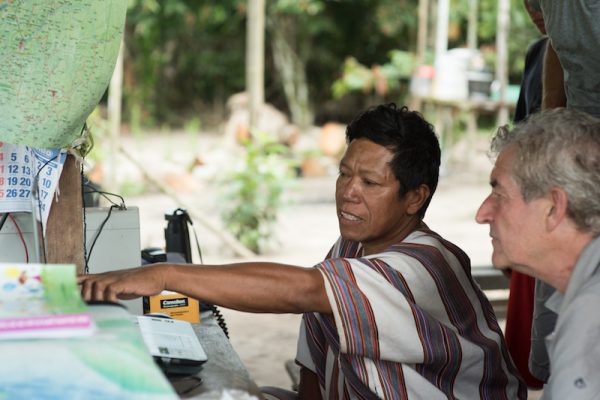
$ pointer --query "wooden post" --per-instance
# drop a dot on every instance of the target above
(114, 119)
(441, 37)
(472, 27)
(416, 102)
(422, 31)
(255, 55)
(502, 58)
(64, 230)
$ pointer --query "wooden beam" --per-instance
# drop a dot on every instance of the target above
(422, 31)
(472, 27)
(114, 119)
(441, 30)
(255, 59)
(64, 230)
(503, 23)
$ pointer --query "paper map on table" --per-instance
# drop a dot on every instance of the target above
(41, 301)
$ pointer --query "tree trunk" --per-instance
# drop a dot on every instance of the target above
(291, 68)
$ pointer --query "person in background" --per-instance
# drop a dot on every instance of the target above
(519, 313)
(393, 311)
(544, 220)
(571, 78)
(571, 70)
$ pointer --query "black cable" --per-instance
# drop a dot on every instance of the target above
(89, 255)
(189, 219)
(85, 183)
(214, 309)
(86, 266)
(4, 217)
(219, 317)
(106, 194)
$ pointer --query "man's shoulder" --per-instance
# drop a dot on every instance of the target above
(423, 240)
(419, 242)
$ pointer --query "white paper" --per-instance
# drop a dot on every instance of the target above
(22, 167)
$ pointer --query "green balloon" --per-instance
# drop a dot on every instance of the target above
(56, 60)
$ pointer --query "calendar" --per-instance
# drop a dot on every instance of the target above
(22, 167)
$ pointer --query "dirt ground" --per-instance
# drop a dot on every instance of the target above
(306, 228)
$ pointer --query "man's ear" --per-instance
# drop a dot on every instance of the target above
(416, 198)
(558, 208)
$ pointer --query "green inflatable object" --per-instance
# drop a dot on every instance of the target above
(56, 60)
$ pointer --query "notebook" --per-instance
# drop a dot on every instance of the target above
(173, 344)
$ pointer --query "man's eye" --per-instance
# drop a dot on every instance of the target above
(369, 182)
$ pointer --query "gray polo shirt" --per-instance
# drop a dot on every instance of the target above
(574, 346)
(574, 29)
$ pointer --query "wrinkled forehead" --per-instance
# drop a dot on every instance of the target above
(367, 155)
(502, 172)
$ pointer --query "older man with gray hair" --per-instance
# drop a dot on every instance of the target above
(544, 217)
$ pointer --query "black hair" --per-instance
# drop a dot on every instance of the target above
(413, 141)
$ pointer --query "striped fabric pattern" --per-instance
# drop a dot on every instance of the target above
(408, 323)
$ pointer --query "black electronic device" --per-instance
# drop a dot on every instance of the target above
(153, 255)
(177, 235)
(177, 239)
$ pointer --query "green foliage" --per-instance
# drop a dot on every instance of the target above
(308, 7)
(180, 55)
(193, 125)
(380, 79)
(355, 76)
(186, 57)
(252, 191)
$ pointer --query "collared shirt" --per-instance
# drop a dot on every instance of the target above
(408, 323)
(574, 346)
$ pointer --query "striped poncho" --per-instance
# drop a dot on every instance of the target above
(407, 323)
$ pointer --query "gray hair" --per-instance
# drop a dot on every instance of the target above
(558, 148)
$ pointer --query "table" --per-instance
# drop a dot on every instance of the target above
(113, 363)
(223, 370)
(449, 112)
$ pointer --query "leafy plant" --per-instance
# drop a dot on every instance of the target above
(252, 191)
(379, 78)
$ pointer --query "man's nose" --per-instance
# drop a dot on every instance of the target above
(351, 190)
(484, 213)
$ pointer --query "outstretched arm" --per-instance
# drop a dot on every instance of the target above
(252, 287)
